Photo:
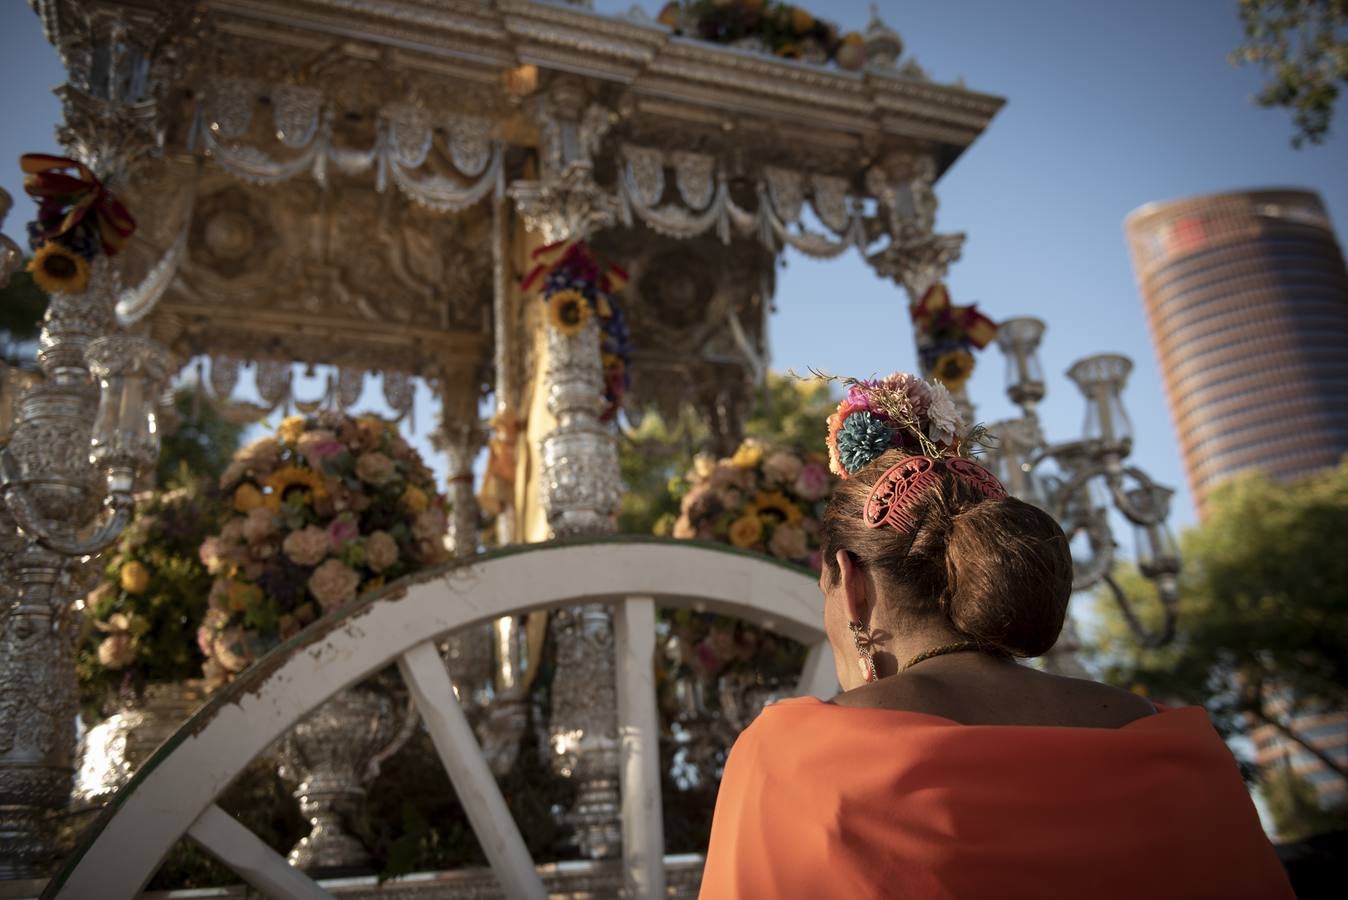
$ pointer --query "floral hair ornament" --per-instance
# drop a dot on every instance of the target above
(900, 412)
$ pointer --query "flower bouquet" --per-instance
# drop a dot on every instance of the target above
(326, 508)
(761, 498)
(138, 622)
(766, 499)
(782, 29)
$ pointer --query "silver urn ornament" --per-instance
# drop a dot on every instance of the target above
(111, 751)
(332, 756)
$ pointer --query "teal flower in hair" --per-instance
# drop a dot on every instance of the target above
(861, 440)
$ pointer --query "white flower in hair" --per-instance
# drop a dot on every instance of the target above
(943, 418)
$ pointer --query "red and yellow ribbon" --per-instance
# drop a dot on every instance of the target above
(80, 195)
(936, 312)
(609, 279)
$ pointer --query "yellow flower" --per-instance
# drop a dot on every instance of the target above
(776, 503)
(568, 311)
(954, 368)
(801, 21)
(248, 498)
(289, 477)
(290, 429)
(59, 270)
(135, 578)
(373, 584)
(415, 499)
(745, 531)
(747, 456)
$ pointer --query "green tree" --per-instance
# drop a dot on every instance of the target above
(200, 444)
(1303, 47)
(22, 304)
(1263, 615)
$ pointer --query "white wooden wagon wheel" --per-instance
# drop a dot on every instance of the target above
(174, 793)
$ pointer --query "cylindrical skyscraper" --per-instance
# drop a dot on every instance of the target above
(1247, 300)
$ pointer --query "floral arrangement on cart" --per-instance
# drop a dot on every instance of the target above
(717, 673)
(326, 508)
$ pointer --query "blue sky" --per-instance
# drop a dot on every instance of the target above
(1110, 106)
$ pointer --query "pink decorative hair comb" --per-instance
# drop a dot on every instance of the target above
(904, 484)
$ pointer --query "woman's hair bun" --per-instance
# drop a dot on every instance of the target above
(1008, 576)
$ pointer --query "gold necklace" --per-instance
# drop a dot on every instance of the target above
(957, 647)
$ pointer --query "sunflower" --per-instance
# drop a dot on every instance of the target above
(290, 477)
(775, 503)
(953, 369)
(745, 531)
(58, 270)
(568, 311)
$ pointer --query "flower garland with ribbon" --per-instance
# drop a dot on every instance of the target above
(947, 335)
(783, 29)
(576, 286)
(77, 218)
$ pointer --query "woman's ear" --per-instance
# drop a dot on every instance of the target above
(853, 584)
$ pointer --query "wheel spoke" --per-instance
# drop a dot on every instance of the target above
(229, 841)
(424, 673)
(639, 742)
(818, 678)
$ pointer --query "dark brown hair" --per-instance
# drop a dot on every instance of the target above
(998, 571)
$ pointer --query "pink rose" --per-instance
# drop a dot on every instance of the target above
(210, 554)
(781, 468)
(692, 498)
(429, 525)
(342, 531)
(232, 532)
(375, 468)
(381, 551)
(318, 445)
(812, 483)
(308, 546)
(333, 584)
(117, 651)
(204, 636)
(259, 525)
(787, 542)
(230, 650)
(816, 561)
(263, 453)
(684, 530)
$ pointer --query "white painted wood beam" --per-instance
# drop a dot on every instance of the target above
(424, 673)
(229, 841)
(639, 749)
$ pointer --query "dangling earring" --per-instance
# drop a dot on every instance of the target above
(861, 636)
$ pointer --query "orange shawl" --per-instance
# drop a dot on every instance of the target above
(822, 801)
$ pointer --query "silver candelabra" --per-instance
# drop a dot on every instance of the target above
(1077, 481)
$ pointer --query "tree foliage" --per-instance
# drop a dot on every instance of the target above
(1263, 614)
(1303, 47)
(22, 304)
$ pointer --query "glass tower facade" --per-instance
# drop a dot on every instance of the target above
(1247, 301)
